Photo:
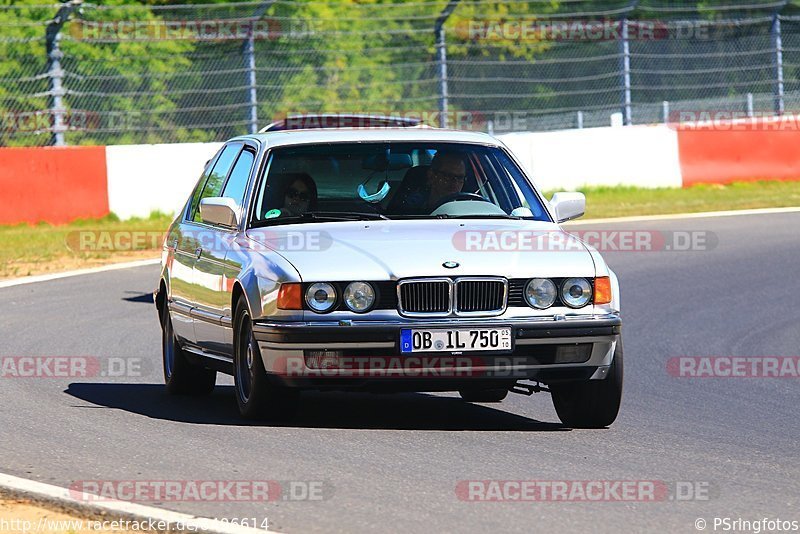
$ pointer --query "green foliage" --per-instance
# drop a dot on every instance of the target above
(354, 56)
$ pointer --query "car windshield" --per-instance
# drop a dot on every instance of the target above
(354, 181)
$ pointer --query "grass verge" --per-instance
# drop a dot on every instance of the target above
(43, 248)
(603, 202)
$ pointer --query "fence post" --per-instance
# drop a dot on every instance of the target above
(627, 112)
(665, 111)
(250, 65)
(54, 55)
(249, 53)
(580, 120)
(749, 104)
(626, 75)
(778, 43)
(441, 53)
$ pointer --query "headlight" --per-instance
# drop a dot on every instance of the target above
(321, 297)
(359, 296)
(540, 293)
(576, 292)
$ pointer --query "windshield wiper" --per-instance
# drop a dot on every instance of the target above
(351, 215)
(319, 216)
(484, 216)
(467, 216)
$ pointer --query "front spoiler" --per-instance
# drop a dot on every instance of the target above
(361, 334)
(375, 361)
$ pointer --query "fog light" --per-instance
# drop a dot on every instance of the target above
(323, 359)
(573, 353)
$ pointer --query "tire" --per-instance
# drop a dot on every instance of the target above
(180, 375)
(483, 395)
(256, 396)
(591, 404)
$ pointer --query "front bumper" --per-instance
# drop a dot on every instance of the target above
(370, 357)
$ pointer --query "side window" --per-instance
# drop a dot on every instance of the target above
(237, 182)
(201, 183)
(216, 178)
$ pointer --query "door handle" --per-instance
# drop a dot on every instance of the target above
(198, 252)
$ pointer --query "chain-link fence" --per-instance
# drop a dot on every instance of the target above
(131, 72)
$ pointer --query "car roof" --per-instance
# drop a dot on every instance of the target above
(370, 135)
(339, 120)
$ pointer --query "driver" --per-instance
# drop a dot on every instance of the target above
(446, 177)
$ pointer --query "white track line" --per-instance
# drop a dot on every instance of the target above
(46, 493)
(699, 215)
(79, 272)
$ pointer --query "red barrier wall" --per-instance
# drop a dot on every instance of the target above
(723, 156)
(53, 184)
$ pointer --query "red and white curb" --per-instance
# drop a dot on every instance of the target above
(41, 493)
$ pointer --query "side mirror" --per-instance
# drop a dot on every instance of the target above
(568, 206)
(220, 210)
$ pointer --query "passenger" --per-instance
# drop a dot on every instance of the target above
(300, 195)
(294, 194)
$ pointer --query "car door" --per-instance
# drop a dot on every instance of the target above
(210, 269)
(184, 244)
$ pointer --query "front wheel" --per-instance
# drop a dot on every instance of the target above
(591, 404)
(180, 375)
(256, 397)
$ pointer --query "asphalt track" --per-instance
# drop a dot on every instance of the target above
(394, 462)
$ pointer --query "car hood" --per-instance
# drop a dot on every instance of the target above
(390, 250)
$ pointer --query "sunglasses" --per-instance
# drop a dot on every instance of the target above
(297, 195)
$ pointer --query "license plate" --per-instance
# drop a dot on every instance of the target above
(457, 340)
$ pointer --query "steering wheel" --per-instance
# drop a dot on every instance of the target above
(457, 197)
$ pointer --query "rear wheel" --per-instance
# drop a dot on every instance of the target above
(591, 404)
(180, 375)
(256, 397)
(483, 395)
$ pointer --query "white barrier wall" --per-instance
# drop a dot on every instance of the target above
(145, 178)
(641, 156)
